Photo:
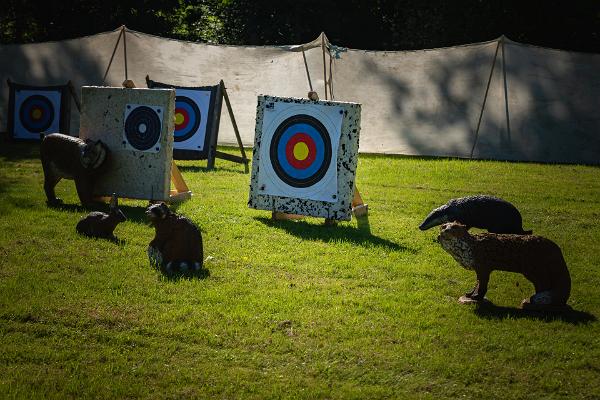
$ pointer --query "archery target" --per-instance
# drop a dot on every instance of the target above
(191, 112)
(36, 112)
(299, 149)
(142, 127)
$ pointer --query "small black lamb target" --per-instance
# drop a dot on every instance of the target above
(101, 225)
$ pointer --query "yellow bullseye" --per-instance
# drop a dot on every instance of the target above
(179, 118)
(36, 114)
(300, 151)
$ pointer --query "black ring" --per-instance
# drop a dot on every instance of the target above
(138, 139)
(320, 173)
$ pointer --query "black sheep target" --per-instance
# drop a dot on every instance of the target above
(143, 126)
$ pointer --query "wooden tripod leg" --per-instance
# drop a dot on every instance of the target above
(181, 192)
(244, 159)
(359, 208)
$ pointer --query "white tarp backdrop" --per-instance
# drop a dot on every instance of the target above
(423, 102)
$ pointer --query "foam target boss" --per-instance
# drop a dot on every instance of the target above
(137, 125)
(305, 157)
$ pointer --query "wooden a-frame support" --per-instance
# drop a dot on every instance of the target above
(213, 152)
(181, 191)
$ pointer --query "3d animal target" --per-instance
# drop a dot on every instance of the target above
(305, 157)
(197, 112)
(137, 126)
(37, 110)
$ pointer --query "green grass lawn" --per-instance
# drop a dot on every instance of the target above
(295, 309)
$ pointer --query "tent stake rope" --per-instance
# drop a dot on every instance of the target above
(485, 98)
(112, 56)
(505, 92)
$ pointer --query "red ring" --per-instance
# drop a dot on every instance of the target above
(312, 150)
(186, 119)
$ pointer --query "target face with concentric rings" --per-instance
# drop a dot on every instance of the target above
(143, 127)
(300, 151)
(187, 118)
(36, 113)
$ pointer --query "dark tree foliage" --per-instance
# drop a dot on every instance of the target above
(365, 24)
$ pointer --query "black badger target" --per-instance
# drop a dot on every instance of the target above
(142, 127)
(187, 118)
(300, 151)
(36, 113)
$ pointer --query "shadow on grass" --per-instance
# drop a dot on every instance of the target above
(203, 273)
(115, 239)
(204, 169)
(492, 311)
(11, 150)
(135, 214)
(333, 233)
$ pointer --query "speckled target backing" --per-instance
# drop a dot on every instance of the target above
(140, 141)
(305, 157)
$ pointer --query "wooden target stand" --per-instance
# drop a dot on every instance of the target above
(359, 209)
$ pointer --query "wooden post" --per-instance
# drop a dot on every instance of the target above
(212, 146)
(330, 76)
(307, 71)
(112, 56)
(324, 65)
(485, 98)
(125, 52)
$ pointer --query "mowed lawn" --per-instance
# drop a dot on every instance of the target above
(295, 309)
